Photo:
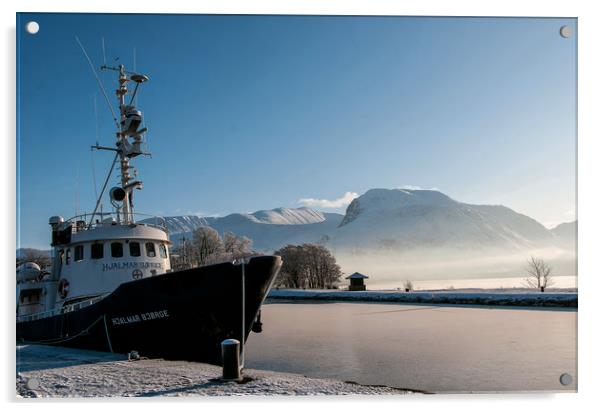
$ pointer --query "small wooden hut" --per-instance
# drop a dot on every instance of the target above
(356, 281)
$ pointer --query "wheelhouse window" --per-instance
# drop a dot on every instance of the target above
(116, 250)
(162, 250)
(78, 253)
(96, 251)
(134, 249)
(150, 250)
(68, 256)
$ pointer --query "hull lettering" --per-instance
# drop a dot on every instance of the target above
(153, 315)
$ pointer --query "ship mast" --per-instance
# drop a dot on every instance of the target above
(124, 160)
(128, 144)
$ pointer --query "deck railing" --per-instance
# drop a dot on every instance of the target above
(60, 310)
(82, 221)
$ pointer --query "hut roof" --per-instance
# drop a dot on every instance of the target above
(356, 275)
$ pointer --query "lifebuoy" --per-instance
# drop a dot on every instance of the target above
(63, 288)
(137, 274)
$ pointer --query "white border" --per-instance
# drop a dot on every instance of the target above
(589, 207)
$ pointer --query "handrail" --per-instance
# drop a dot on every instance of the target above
(60, 310)
(159, 222)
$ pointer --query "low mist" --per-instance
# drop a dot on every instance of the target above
(441, 266)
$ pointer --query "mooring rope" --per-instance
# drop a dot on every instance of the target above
(107, 333)
(60, 340)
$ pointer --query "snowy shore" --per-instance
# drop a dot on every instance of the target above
(44, 371)
(506, 298)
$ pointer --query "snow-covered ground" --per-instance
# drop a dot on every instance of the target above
(481, 297)
(44, 371)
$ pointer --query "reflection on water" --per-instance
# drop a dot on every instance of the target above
(430, 348)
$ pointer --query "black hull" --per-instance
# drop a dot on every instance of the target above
(184, 315)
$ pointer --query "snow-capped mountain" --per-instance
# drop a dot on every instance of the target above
(269, 229)
(407, 219)
(393, 220)
(282, 216)
(182, 224)
(288, 216)
(425, 234)
(399, 234)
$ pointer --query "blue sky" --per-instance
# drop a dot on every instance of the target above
(257, 112)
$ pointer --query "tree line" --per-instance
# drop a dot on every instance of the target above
(207, 247)
(304, 266)
(308, 266)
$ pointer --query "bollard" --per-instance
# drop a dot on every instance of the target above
(230, 359)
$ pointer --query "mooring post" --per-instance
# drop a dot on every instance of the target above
(230, 359)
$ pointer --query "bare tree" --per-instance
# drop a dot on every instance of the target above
(408, 286)
(237, 247)
(207, 247)
(308, 266)
(40, 257)
(539, 273)
(206, 243)
(234, 248)
(293, 271)
(181, 256)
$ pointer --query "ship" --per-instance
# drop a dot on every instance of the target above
(111, 286)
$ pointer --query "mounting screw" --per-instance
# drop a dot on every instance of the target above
(566, 31)
(566, 379)
(32, 27)
(32, 384)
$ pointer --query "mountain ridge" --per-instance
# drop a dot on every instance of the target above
(396, 234)
(394, 219)
(275, 216)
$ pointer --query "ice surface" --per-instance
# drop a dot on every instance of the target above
(434, 348)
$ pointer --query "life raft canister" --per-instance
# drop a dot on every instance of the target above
(63, 288)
